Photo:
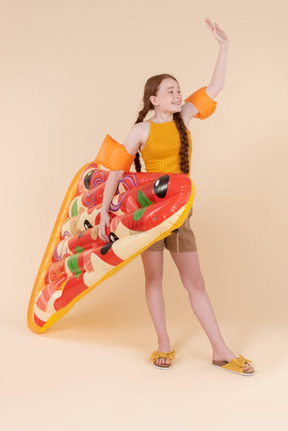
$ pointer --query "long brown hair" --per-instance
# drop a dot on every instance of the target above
(151, 88)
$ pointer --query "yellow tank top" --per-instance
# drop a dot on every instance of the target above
(161, 152)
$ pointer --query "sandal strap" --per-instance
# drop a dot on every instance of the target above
(168, 355)
(241, 360)
(237, 364)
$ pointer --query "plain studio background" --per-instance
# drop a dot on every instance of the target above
(73, 71)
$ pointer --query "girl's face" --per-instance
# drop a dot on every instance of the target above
(168, 97)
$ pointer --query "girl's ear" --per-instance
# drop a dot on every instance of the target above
(153, 100)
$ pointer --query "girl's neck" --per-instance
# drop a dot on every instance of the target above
(162, 117)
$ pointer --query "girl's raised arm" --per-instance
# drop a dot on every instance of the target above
(218, 77)
(189, 110)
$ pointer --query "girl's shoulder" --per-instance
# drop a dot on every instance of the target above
(142, 129)
(137, 137)
(144, 125)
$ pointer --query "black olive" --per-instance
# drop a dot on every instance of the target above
(161, 186)
(87, 224)
(104, 250)
(113, 237)
(87, 179)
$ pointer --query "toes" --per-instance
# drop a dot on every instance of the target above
(162, 361)
(248, 367)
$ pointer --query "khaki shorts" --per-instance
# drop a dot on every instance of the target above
(180, 242)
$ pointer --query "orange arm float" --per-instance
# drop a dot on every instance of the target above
(114, 156)
(204, 104)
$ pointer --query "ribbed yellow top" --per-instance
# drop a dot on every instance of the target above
(161, 152)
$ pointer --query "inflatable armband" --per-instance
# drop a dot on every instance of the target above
(146, 207)
(204, 104)
(114, 156)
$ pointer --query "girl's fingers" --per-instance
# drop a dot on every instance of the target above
(217, 26)
(210, 25)
(102, 235)
(216, 30)
(104, 238)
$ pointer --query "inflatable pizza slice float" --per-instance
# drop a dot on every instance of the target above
(146, 207)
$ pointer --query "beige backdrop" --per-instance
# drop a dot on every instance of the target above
(73, 71)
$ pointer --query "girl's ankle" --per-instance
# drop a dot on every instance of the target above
(222, 353)
(163, 340)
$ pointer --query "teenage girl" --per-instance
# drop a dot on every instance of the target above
(165, 144)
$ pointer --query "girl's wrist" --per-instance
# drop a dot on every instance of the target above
(104, 211)
(224, 44)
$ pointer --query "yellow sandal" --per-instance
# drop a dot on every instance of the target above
(156, 355)
(236, 365)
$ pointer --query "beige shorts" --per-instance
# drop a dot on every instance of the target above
(180, 242)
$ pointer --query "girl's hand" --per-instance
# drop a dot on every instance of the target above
(218, 33)
(104, 221)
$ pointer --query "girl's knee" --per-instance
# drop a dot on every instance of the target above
(195, 284)
(153, 281)
(153, 276)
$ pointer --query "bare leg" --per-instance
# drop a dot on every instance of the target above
(153, 267)
(192, 279)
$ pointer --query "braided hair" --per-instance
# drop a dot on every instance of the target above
(151, 89)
